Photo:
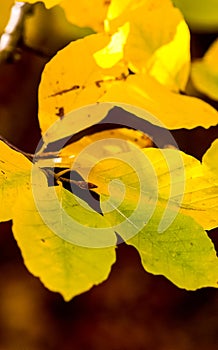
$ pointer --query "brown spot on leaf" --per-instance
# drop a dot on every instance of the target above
(60, 112)
(98, 83)
(123, 76)
(61, 92)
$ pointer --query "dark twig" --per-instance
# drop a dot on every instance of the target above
(12, 39)
(30, 156)
(84, 185)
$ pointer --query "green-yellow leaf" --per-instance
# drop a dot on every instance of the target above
(62, 266)
(210, 160)
(200, 15)
(14, 176)
(188, 185)
(183, 253)
(138, 197)
(200, 195)
(204, 72)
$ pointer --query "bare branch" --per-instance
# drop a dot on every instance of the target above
(12, 38)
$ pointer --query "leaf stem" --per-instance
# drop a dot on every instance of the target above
(84, 185)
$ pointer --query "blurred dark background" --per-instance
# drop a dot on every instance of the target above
(132, 309)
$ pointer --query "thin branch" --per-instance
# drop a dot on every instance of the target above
(84, 185)
(81, 184)
(12, 38)
(30, 156)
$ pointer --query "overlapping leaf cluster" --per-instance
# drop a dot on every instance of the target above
(130, 36)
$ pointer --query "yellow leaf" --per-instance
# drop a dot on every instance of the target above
(154, 45)
(14, 176)
(75, 122)
(141, 192)
(86, 13)
(113, 52)
(62, 267)
(73, 79)
(171, 110)
(111, 143)
(204, 72)
(170, 64)
(117, 7)
(201, 187)
(210, 161)
(182, 183)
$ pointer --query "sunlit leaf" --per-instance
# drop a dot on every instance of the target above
(205, 72)
(173, 110)
(200, 194)
(161, 48)
(194, 193)
(68, 126)
(113, 52)
(73, 79)
(210, 161)
(159, 201)
(14, 176)
(86, 13)
(170, 64)
(61, 266)
(183, 253)
(111, 145)
(134, 196)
